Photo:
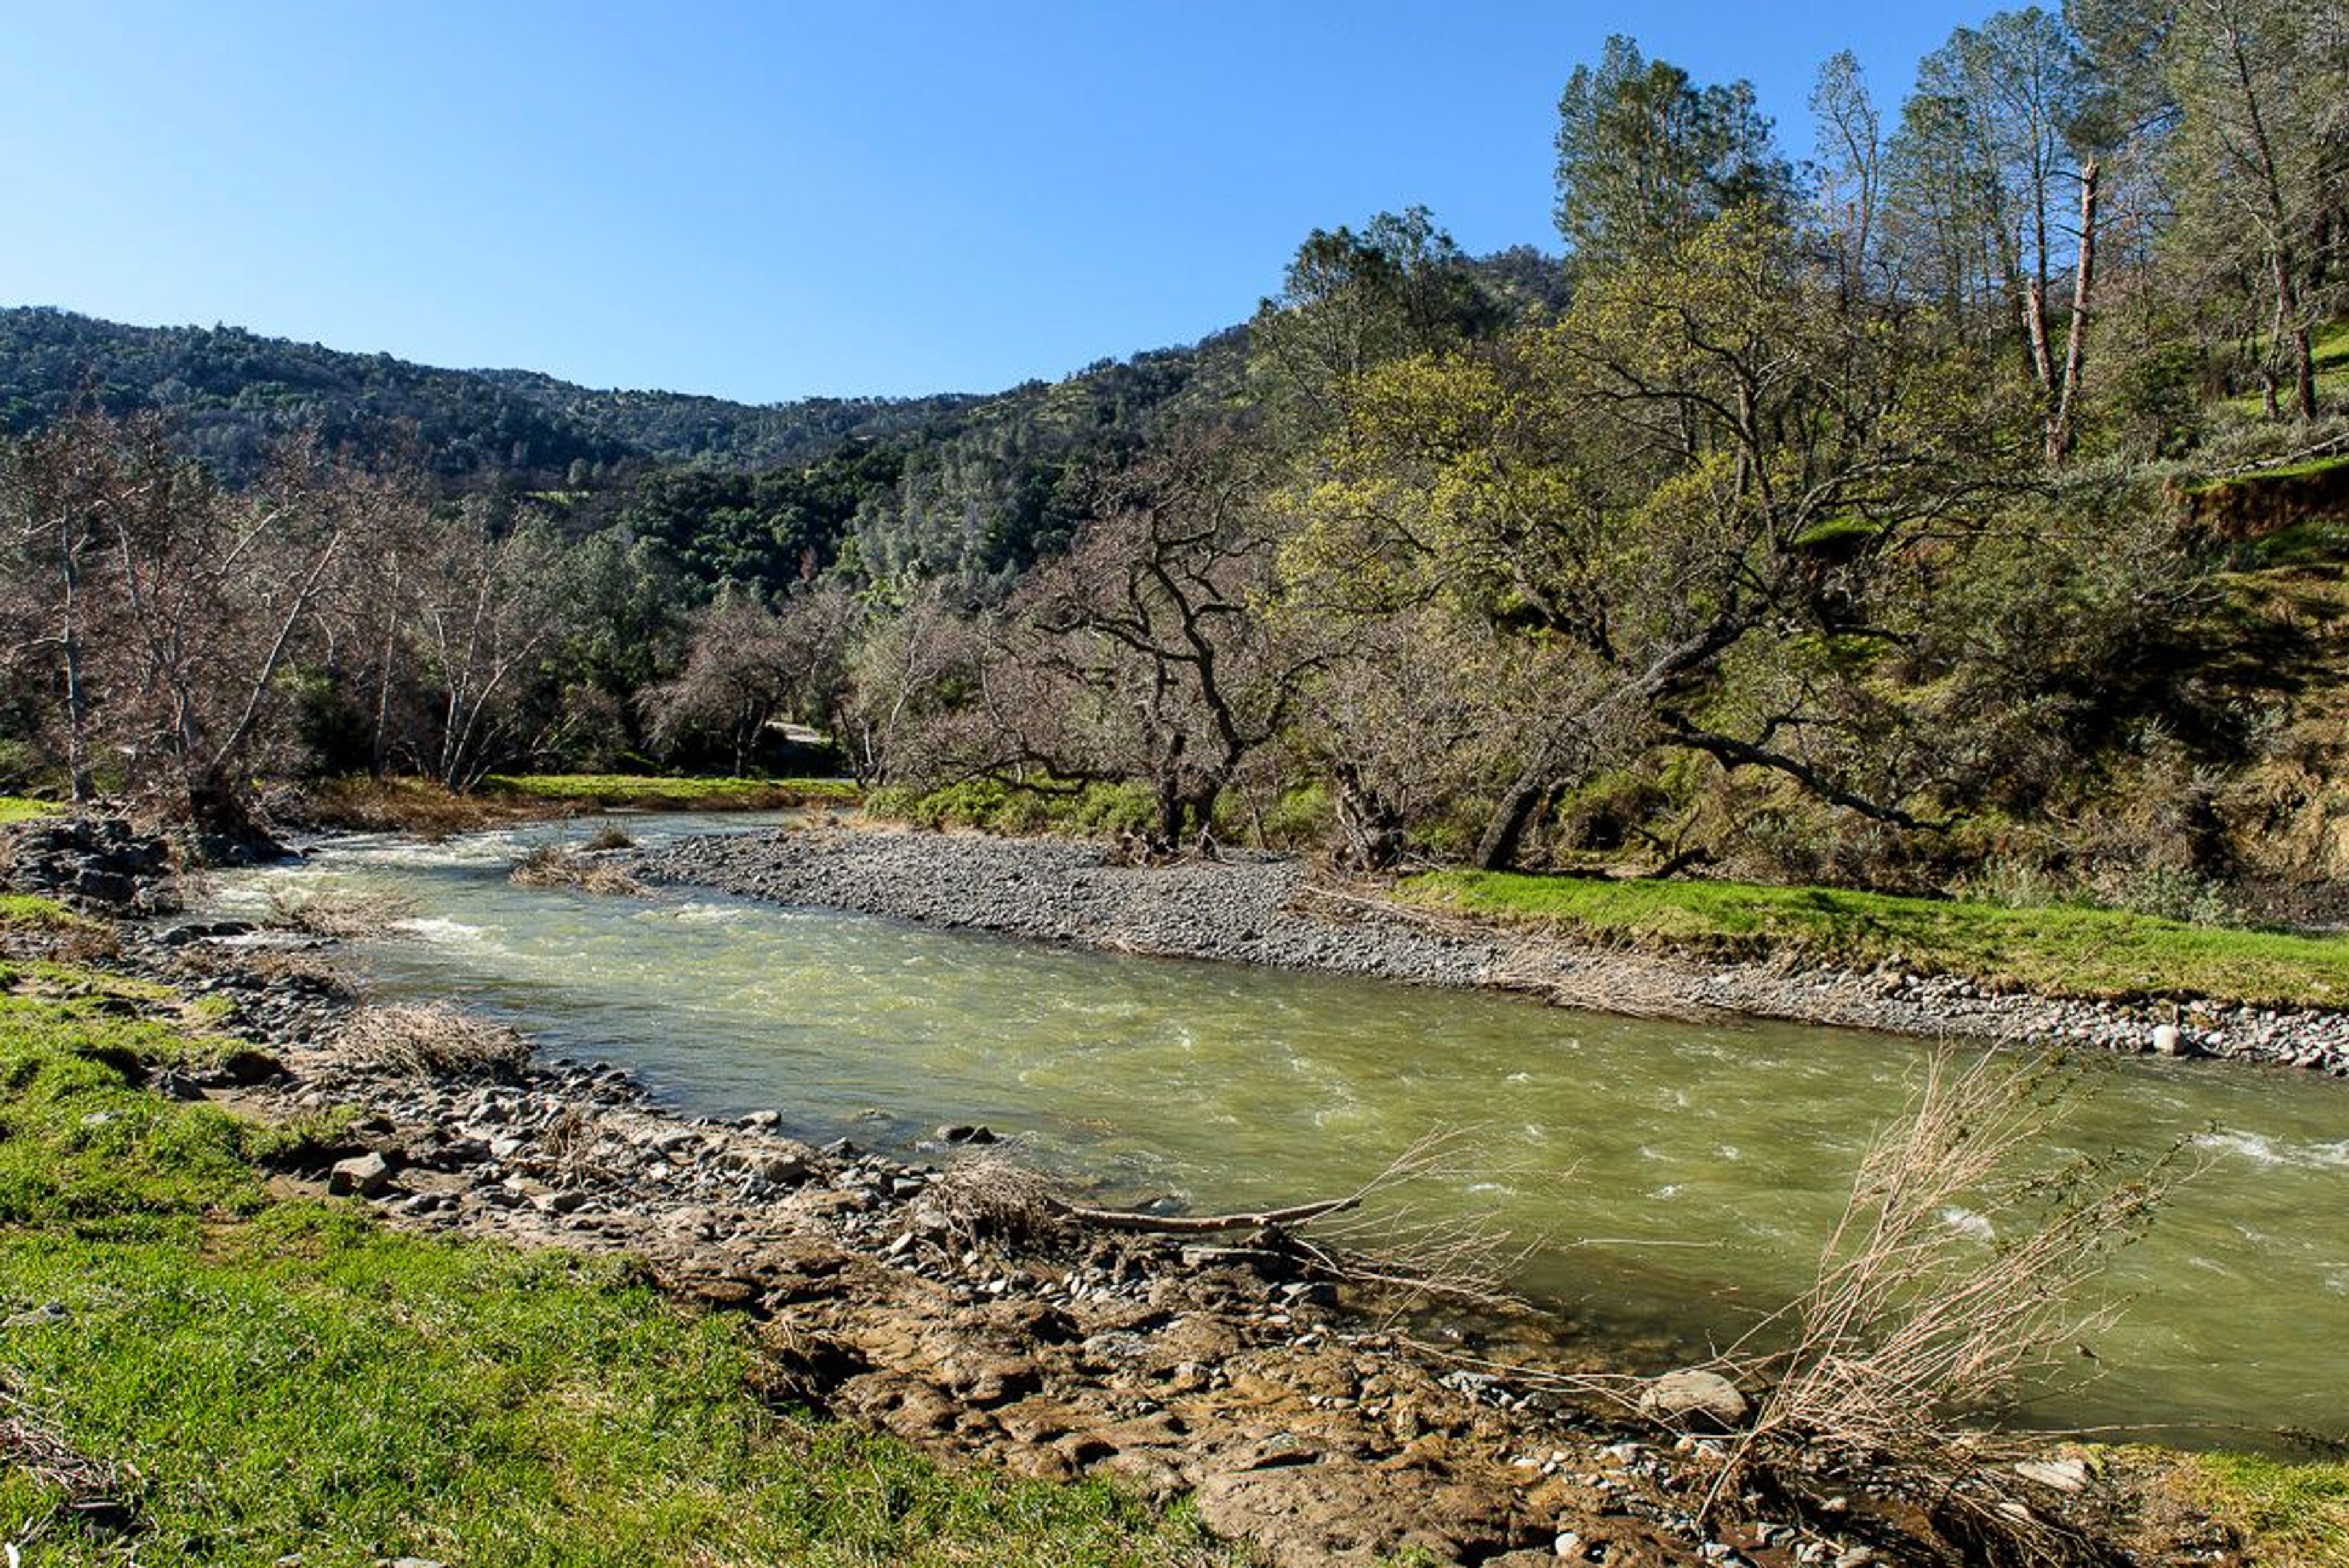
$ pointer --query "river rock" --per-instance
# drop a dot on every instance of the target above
(1695, 1399)
(366, 1175)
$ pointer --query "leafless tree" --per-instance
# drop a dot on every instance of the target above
(749, 665)
(1144, 654)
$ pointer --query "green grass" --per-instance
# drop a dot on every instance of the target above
(2329, 349)
(655, 794)
(2063, 950)
(21, 808)
(2303, 470)
(2298, 1515)
(31, 911)
(284, 1376)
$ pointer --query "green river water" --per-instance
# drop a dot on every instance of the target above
(1675, 1180)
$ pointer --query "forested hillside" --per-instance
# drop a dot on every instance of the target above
(1956, 505)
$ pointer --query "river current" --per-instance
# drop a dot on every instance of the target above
(1673, 1181)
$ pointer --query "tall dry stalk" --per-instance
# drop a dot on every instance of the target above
(1915, 1321)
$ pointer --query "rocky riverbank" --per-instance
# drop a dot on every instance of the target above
(929, 1298)
(1262, 910)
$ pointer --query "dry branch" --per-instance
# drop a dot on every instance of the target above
(1203, 1224)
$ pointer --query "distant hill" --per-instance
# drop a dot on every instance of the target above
(233, 393)
(970, 488)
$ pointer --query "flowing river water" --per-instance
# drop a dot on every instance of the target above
(1674, 1181)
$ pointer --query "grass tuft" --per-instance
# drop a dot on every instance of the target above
(431, 1040)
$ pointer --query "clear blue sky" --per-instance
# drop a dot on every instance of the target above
(767, 201)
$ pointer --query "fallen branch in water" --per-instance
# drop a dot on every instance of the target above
(1203, 1224)
(1376, 1241)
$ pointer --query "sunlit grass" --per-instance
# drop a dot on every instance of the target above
(253, 1378)
(2065, 950)
(677, 793)
(23, 809)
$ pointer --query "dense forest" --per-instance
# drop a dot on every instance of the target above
(1958, 505)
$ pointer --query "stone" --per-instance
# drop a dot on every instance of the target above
(39, 1317)
(366, 1175)
(2061, 1475)
(1694, 1400)
(783, 1169)
(561, 1203)
(967, 1132)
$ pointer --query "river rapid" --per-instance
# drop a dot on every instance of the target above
(1673, 1181)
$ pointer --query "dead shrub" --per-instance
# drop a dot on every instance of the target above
(1918, 1329)
(547, 866)
(431, 1040)
(31, 1448)
(610, 836)
(993, 1197)
(340, 914)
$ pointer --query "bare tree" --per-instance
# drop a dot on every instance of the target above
(749, 665)
(1143, 655)
(480, 620)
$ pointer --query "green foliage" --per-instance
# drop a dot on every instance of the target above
(2065, 950)
(1646, 157)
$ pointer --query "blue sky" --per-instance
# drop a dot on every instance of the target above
(771, 200)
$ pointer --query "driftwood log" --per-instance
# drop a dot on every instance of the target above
(1203, 1225)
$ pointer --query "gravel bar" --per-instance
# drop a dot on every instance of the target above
(1257, 909)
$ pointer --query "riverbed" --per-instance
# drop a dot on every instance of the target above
(1672, 1180)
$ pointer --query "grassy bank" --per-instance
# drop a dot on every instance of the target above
(197, 1371)
(2065, 950)
(2294, 1515)
(609, 790)
(23, 809)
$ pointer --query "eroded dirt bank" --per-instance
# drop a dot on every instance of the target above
(1260, 910)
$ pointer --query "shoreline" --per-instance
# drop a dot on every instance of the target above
(1298, 1422)
(1295, 1419)
(1265, 910)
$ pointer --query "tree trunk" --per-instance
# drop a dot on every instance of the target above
(1497, 849)
(1369, 830)
(85, 788)
(2076, 340)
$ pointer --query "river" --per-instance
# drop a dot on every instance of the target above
(1675, 1182)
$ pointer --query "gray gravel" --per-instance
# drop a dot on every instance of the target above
(1264, 909)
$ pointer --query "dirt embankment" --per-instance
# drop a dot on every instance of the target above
(1262, 910)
